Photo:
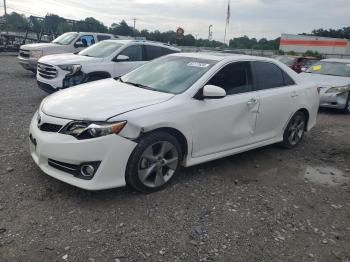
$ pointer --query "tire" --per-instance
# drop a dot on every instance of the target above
(154, 162)
(294, 132)
(347, 106)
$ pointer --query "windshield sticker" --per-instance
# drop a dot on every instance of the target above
(197, 64)
(317, 67)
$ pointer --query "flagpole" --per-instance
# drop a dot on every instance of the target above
(227, 19)
(225, 33)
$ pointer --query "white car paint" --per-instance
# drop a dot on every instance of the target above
(90, 65)
(326, 82)
(213, 128)
(29, 61)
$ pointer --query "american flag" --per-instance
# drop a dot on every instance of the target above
(228, 13)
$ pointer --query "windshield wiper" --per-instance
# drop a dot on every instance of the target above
(138, 85)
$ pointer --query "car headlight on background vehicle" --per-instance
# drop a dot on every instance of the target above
(87, 130)
(36, 53)
(73, 69)
(339, 89)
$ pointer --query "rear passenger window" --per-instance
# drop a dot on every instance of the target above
(134, 53)
(103, 37)
(234, 78)
(268, 75)
(153, 52)
(288, 80)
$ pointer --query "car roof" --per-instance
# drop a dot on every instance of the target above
(216, 56)
(337, 60)
(128, 41)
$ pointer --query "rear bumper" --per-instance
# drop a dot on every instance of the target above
(334, 100)
(28, 63)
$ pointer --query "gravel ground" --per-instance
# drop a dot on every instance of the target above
(268, 204)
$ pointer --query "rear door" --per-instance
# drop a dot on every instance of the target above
(229, 122)
(277, 92)
(136, 57)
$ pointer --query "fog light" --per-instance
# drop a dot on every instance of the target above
(87, 170)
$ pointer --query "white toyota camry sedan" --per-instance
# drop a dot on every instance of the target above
(179, 110)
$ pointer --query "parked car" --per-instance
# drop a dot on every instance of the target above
(333, 77)
(70, 42)
(109, 58)
(297, 63)
(179, 110)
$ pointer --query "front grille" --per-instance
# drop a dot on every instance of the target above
(47, 127)
(47, 71)
(24, 53)
(65, 167)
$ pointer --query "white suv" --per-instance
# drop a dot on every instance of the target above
(67, 43)
(110, 58)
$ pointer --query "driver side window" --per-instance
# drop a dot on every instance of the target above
(86, 40)
(235, 78)
(134, 53)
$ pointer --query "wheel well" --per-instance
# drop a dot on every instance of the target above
(307, 115)
(177, 134)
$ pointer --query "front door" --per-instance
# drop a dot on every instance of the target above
(134, 52)
(229, 122)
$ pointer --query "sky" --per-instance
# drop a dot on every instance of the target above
(255, 18)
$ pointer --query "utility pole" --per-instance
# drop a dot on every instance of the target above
(210, 33)
(134, 26)
(6, 28)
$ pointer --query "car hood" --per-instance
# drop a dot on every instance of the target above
(39, 46)
(100, 100)
(326, 80)
(60, 59)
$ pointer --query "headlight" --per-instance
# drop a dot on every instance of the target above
(339, 89)
(36, 53)
(73, 69)
(86, 130)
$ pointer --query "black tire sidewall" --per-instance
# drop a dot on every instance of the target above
(286, 142)
(347, 105)
(131, 174)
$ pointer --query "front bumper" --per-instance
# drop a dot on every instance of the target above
(334, 100)
(28, 63)
(113, 151)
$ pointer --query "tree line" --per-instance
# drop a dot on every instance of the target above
(58, 25)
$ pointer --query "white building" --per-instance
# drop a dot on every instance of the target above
(323, 45)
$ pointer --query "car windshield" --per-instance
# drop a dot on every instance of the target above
(330, 68)
(101, 49)
(65, 39)
(287, 60)
(170, 74)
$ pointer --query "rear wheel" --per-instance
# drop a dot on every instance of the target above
(295, 130)
(154, 162)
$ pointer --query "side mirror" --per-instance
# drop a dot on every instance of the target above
(122, 58)
(303, 69)
(210, 92)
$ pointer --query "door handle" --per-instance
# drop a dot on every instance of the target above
(252, 101)
(294, 94)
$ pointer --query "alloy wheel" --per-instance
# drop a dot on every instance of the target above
(296, 129)
(158, 164)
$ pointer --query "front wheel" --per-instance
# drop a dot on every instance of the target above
(154, 162)
(295, 130)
